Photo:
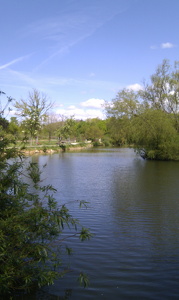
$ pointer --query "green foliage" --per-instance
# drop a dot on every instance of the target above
(117, 129)
(163, 91)
(33, 112)
(91, 129)
(4, 123)
(149, 119)
(94, 130)
(120, 113)
(66, 131)
(154, 135)
(13, 127)
(31, 224)
(44, 149)
(124, 106)
(50, 126)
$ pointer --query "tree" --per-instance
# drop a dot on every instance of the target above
(33, 112)
(51, 124)
(120, 113)
(157, 128)
(124, 106)
(154, 135)
(117, 130)
(4, 123)
(13, 126)
(149, 119)
(31, 223)
(163, 91)
(67, 130)
(81, 128)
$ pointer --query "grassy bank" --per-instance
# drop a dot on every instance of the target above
(55, 148)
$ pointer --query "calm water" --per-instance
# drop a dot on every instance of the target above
(134, 216)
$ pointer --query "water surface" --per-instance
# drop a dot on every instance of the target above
(134, 216)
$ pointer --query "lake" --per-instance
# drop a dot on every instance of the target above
(134, 216)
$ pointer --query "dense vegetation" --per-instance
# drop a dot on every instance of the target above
(149, 119)
(35, 123)
(32, 222)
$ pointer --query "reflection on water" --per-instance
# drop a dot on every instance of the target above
(133, 214)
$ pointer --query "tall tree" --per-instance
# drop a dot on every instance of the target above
(120, 112)
(33, 112)
(163, 91)
(124, 105)
(149, 119)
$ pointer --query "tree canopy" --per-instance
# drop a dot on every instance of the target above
(149, 119)
(33, 112)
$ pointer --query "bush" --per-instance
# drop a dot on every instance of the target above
(30, 223)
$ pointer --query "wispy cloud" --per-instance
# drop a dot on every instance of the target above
(53, 82)
(14, 61)
(167, 45)
(153, 47)
(67, 28)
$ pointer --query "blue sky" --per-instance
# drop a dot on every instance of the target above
(80, 53)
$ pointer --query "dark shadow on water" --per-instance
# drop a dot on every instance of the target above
(40, 295)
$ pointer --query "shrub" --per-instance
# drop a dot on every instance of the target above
(30, 223)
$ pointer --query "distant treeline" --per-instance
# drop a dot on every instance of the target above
(147, 119)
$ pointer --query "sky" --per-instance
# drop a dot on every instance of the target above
(81, 53)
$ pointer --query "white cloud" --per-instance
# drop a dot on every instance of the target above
(167, 45)
(72, 107)
(92, 108)
(93, 103)
(135, 87)
(162, 46)
(81, 114)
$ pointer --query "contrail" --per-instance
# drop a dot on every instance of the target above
(14, 61)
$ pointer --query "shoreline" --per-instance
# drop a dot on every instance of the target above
(56, 150)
